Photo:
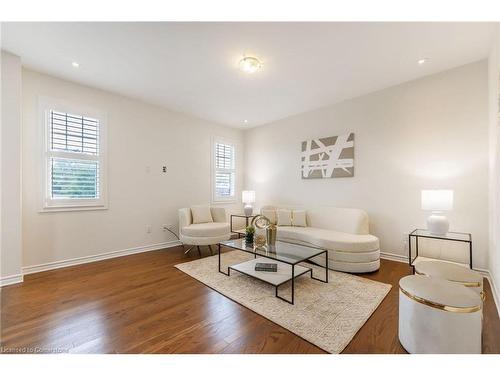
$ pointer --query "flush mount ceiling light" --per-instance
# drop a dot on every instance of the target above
(250, 64)
(75, 64)
(423, 61)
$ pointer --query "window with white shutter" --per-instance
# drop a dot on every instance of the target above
(74, 161)
(224, 171)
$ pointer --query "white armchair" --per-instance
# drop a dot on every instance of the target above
(203, 234)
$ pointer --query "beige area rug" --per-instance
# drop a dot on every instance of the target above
(327, 315)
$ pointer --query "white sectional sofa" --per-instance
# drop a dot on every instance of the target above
(343, 232)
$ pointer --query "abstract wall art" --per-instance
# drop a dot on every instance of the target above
(328, 157)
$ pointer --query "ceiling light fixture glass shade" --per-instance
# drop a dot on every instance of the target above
(250, 64)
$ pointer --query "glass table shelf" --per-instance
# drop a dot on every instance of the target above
(424, 233)
(286, 255)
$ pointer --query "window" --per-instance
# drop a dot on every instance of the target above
(74, 161)
(224, 173)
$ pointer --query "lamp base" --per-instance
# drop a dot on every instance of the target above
(248, 210)
(438, 224)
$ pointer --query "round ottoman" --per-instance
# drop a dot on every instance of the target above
(438, 316)
(452, 272)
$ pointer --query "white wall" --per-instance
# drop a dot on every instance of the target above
(139, 135)
(494, 193)
(428, 133)
(11, 237)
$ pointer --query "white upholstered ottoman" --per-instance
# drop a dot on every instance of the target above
(438, 316)
(452, 272)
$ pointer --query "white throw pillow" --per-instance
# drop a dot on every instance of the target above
(284, 217)
(270, 214)
(201, 214)
(299, 218)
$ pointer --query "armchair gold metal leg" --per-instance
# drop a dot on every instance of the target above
(211, 251)
(188, 250)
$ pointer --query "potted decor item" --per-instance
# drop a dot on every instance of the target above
(249, 233)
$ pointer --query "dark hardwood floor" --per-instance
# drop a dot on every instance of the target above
(142, 304)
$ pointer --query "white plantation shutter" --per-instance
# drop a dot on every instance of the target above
(224, 179)
(74, 133)
(74, 160)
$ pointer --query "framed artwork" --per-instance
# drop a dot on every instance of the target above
(328, 157)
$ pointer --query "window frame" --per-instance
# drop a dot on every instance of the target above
(47, 203)
(215, 197)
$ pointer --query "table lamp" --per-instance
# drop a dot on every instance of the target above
(437, 201)
(248, 197)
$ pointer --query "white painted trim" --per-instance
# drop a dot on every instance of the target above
(47, 204)
(94, 258)
(12, 279)
(494, 289)
(394, 257)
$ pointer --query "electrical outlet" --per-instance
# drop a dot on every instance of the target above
(148, 229)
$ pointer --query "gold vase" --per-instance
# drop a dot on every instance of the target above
(271, 234)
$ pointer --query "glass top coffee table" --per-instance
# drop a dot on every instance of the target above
(286, 255)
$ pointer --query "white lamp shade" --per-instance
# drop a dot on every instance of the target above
(437, 200)
(248, 196)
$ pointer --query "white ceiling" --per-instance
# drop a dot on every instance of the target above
(193, 67)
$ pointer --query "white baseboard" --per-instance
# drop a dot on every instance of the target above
(394, 257)
(8, 280)
(494, 289)
(94, 258)
(12, 279)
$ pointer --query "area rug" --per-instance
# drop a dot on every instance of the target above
(327, 315)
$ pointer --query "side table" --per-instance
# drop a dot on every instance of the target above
(450, 236)
(240, 232)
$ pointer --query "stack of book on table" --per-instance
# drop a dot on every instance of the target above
(268, 267)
